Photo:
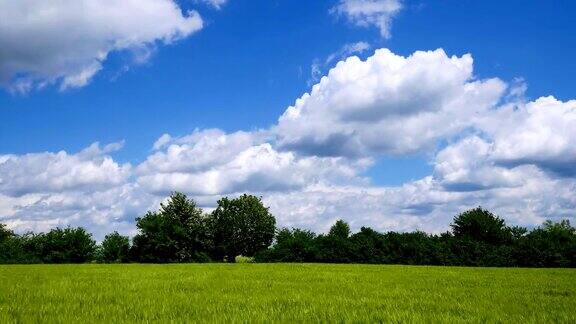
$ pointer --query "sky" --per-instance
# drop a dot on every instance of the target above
(394, 114)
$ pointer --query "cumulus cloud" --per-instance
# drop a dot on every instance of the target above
(211, 162)
(424, 204)
(387, 104)
(469, 165)
(67, 42)
(101, 211)
(89, 169)
(317, 67)
(541, 133)
(365, 13)
(487, 146)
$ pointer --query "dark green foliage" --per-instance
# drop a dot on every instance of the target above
(179, 232)
(368, 246)
(241, 226)
(551, 245)
(115, 248)
(335, 247)
(176, 233)
(479, 238)
(60, 245)
(294, 245)
(11, 250)
(482, 226)
(5, 233)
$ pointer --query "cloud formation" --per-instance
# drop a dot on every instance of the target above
(48, 172)
(487, 144)
(66, 42)
(211, 162)
(365, 13)
(216, 4)
(387, 104)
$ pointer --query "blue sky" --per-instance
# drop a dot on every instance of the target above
(240, 71)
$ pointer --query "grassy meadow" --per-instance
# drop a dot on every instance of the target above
(284, 292)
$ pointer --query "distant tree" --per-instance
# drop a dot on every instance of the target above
(10, 246)
(294, 245)
(335, 247)
(368, 246)
(62, 245)
(5, 233)
(241, 226)
(115, 248)
(482, 226)
(551, 245)
(176, 233)
(340, 230)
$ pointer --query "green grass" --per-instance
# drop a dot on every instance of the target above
(284, 292)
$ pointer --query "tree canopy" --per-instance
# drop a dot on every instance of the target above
(179, 231)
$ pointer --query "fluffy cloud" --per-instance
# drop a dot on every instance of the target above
(508, 155)
(378, 13)
(469, 165)
(67, 41)
(212, 162)
(520, 143)
(423, 204)
(39, 191)
(387, 104)
(541, 133)
(101, 211)
(89, 169)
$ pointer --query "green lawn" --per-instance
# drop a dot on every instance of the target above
(284, 292)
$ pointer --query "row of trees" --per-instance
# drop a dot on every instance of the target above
(180, 232)
(478, 238)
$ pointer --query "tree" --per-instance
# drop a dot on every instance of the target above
(241, 226)
(551, 245)
(62, 245)
(294, 245)
(340, 230)
(368, 246)
(176, 233)
(336, 247)
(5, 233)
(482, 226)
(115, 248)
(10, 247)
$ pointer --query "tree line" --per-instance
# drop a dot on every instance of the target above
(181, 232)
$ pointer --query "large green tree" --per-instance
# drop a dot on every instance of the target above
(175, 233)
(115, 248)
(241, 226)
(482, 226)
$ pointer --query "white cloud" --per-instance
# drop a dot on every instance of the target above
(56, 172)
(422, 204)
(542, 132)
(317, 68)
(497, 150)
(217, 4)
(211, 162)
(378, 13)
(67, 41)
(468, 165)
(347, 50)
(100, 211)
(387, 104)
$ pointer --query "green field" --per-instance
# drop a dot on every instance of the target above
(284, 292)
